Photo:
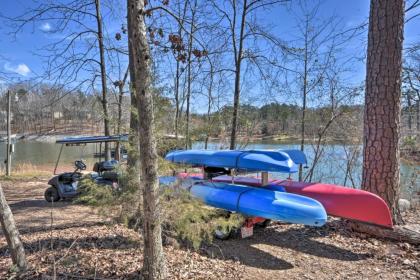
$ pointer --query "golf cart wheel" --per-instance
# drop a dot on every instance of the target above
(51, 194)
(222, 234)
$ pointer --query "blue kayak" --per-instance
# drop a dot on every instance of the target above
(251, 160)
(256, 202)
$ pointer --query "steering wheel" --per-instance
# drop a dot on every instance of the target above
(80, 165)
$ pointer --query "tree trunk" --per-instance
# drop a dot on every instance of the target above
(238, 64)
(177, 98)
(121, 85)
(381, 170)
(210, 98)
(133, 157)
(120, 100)
(235, 109)
(103, 76)
(154, 266)
(405, 233)
(304, 97)
(178, 106)
(189, 77)
(11, 233)
(187, 112)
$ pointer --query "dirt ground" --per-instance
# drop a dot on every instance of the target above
(83, 245)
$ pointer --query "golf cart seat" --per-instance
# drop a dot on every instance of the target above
(69, 177)
(107, 165)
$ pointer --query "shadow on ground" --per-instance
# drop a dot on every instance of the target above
(34, 215)
(22, 205)
(301, 240)
(108, 242)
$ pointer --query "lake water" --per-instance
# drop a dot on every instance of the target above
(331, 167)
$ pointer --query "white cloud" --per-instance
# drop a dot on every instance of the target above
(46, 27)
(21, 69)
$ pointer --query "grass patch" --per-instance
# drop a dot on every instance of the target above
(23, 171)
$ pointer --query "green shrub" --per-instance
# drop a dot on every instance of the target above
(94, 194)
(193, 221)
(182, 216)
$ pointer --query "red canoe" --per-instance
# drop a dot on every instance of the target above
(339, 201)
(344, 202)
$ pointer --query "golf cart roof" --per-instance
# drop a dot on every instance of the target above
(93, 139)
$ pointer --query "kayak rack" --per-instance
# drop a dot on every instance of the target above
(247, 229)
(208, 175)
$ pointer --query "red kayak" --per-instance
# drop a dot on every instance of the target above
(339, 201)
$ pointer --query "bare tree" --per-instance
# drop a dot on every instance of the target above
(210, 97)
(181, 15)
(120, 84)
(240, 30)
(154, 260)
(44, 108)
(315, 68)
(411, 86)
(102, 65)
(78, 56)
(12, 234)
(189, 73)
(238, 46)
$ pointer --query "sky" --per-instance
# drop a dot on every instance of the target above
(18, 54)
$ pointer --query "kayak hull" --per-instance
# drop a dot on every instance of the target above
(339, 201)
(344, 202)
(264, 203)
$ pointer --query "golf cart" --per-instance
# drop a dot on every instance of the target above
(65, 185)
